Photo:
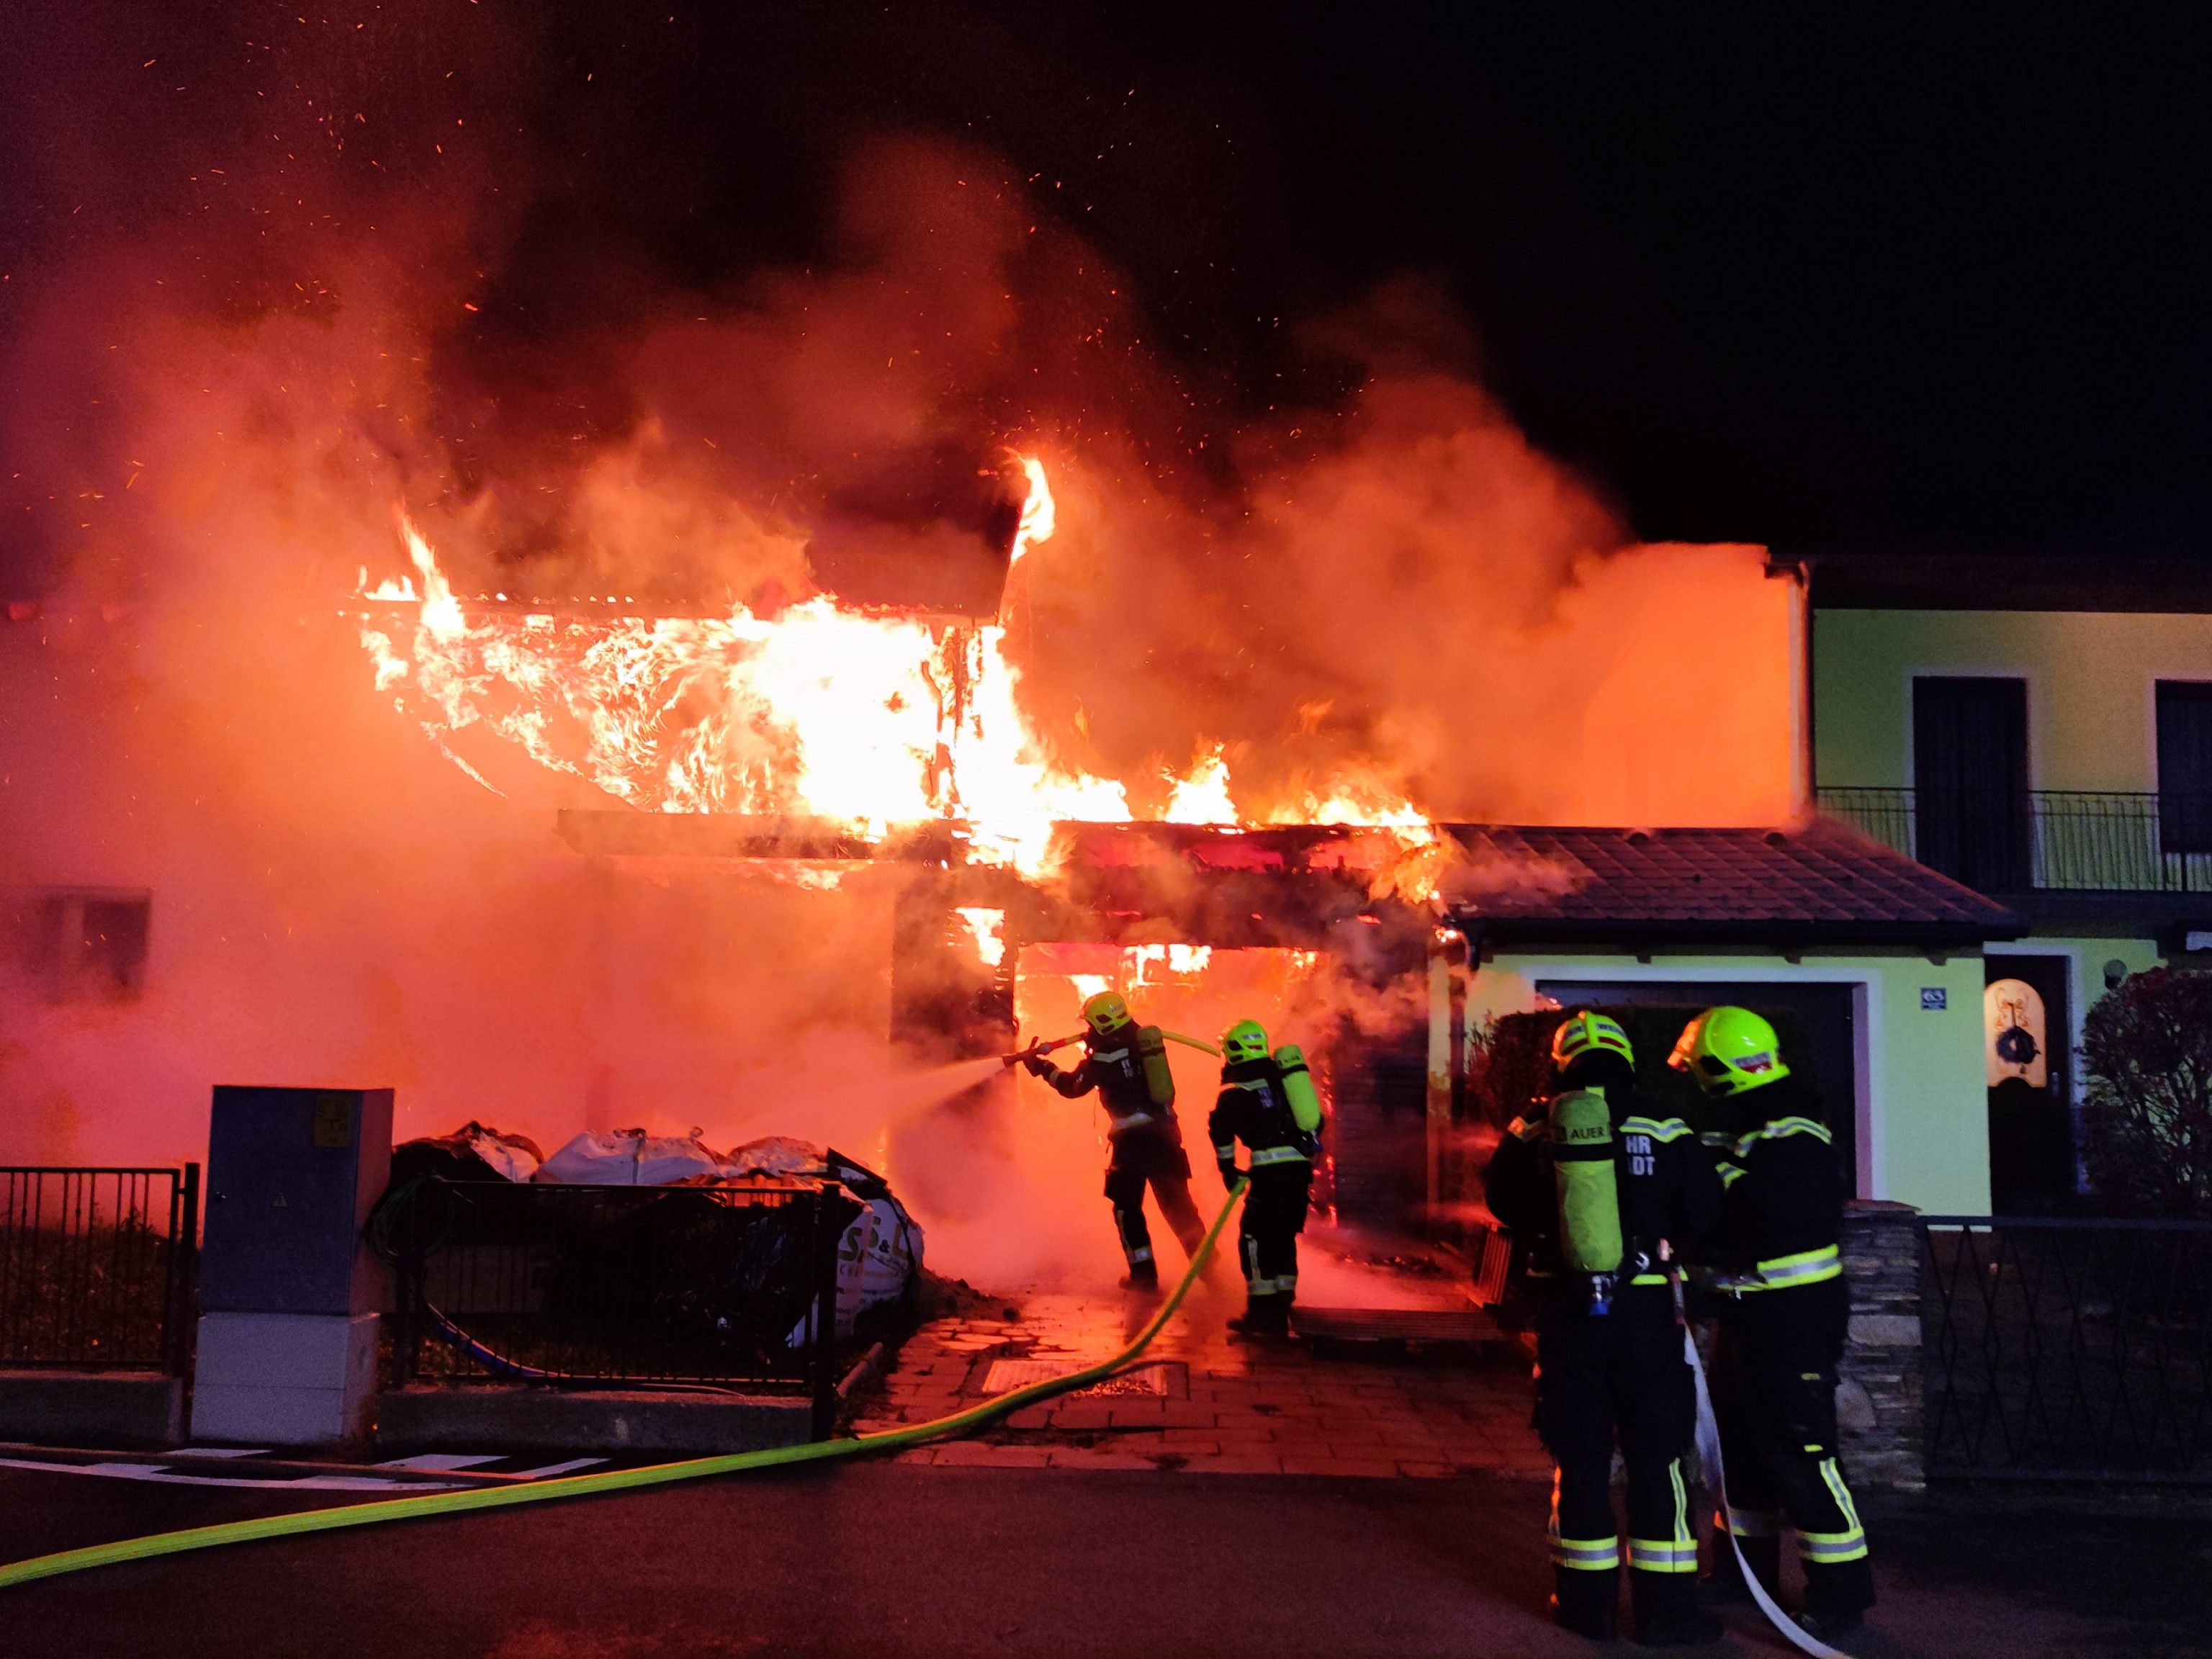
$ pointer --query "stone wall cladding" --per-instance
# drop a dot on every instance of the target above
(1880, 1401)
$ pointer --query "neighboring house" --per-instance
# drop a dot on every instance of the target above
(2041, 730)
(1874, 961)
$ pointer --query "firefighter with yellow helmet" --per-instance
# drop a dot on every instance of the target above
(1128, 1064)
(1783, 1310)
(1604, 1195)
(1267, 1101)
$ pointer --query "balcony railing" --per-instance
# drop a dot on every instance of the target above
(2042, 840)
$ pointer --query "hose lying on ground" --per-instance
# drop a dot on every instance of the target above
(586, 1485)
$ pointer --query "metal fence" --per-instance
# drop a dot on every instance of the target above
(2064, 1350)
(2042, 840)
(96, 1267)
(595, 1286)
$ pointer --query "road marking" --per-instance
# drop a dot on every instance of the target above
(439, 1462)
(159, 1475)
(551, 1469)
(221, 1451)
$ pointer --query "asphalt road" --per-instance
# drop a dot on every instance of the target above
(881, 1559)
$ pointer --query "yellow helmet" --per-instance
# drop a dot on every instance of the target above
(1106, 1013)
(1728, 1050)
(1581, 1032)
(1245, 1040)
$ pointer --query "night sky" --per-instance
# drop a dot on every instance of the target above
(1833, 278)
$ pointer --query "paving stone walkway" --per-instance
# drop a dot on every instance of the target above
(1207, 1402)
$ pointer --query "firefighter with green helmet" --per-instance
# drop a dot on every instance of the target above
(1128, 1064)
(1267, 1102)
(1784, 1311)
(1605, 1195)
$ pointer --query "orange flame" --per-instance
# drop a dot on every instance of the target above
(864, 721)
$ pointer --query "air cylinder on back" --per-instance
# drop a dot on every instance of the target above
(1298, 1087)
(1590, 1195)
(1152, 1051)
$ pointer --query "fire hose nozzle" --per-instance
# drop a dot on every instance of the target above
(1042, 1046)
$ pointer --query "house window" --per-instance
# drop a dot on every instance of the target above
(1970, 777)
(81, 945)
(2184, 766)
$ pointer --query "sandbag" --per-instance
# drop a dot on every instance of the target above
(471, 1152)
(628, 1157)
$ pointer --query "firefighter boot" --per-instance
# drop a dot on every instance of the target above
(1666, 1611)
(1264, 1316)
(1725, 1584)
(1836, 1594)
(1587, 1601)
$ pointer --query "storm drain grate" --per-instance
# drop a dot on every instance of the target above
(1468, 1326)
(1006, 1375)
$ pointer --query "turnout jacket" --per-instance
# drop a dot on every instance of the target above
(1114, 1067)
(1252, 1108)
(1784, 1194)
(1668, 1188)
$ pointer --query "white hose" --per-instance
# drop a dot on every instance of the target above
(1709, 1463)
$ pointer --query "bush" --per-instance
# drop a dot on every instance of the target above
(2147, 1111)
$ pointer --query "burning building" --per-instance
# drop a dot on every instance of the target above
(887, 673)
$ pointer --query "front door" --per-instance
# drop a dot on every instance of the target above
(1970, 780)
(2027, 1058)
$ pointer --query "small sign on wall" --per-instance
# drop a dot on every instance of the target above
(1934, 998)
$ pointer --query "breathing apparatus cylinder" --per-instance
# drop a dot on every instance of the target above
(1152, 1052)
(1589, 1194)
(1298, 1087)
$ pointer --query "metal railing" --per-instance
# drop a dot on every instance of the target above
(2067, 1350)
(96, 1267)
(2042, 840)
(598, 1286)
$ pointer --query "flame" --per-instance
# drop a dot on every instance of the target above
(1180, 961)
(984, 924)
(1038, 514)
(1202, 797)
(864, 721)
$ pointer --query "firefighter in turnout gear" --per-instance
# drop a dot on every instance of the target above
(1783, 1308)
(1128, 1064)
(1267, 1102)
(1604, 1195)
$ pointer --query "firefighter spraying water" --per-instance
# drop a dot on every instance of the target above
(1128, 1064)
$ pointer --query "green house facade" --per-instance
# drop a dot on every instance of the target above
(2040, 730)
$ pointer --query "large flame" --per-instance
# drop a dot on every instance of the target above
(865, 720)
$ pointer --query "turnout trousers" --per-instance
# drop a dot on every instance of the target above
(1774, 1393)
(1151, 1155)
(1623, 1374)
(1274, 1215)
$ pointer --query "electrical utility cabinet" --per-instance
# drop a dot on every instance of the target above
(287, 1290)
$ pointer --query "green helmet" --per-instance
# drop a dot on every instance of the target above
(1245, 1040)
(1106, 1013)
(1728, 1050)
(1583, 1032)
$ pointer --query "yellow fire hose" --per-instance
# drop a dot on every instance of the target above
(588, 1485)
(1047, 1045)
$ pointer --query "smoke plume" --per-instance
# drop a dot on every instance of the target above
(218, 400)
